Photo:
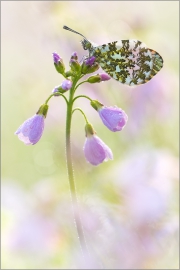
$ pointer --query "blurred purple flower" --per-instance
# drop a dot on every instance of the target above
(31, 130)
(66, 84)
(96, 151)
(113, 118)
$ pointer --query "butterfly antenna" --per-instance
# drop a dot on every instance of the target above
(69, 29)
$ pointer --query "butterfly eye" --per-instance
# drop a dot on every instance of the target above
(84, 44)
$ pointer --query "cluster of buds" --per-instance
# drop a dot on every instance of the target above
(114, 118)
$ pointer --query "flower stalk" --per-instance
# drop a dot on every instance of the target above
(95, 150)
(76, 212)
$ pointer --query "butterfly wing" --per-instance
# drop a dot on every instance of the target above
(128, 61)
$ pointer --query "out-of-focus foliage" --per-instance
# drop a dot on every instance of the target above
(129, 206)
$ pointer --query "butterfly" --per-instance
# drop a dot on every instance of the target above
(127, 61)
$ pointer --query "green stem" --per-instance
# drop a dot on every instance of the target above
(78, 109)
(82, 96)
(81, 83)
(47, 100)
(76, 212)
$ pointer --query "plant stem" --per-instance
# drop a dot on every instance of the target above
(78, 109)
(76, 212)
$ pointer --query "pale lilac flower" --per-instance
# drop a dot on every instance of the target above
(113, 118)
(31, 130)
(66, 84)
(96, 151)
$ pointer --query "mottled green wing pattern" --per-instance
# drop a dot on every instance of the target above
(128, 61)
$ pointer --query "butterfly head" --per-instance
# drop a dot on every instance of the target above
(85, 43)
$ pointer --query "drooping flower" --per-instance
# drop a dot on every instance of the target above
(113, 118)
(31, 130)
(95, 150)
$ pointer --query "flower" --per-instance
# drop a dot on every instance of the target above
(113, 118)
(95, 150)
(31, 130)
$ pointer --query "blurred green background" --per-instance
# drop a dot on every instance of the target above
(129, 206)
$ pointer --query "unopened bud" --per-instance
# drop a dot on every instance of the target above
(58, 63)
(75, 66)
(74, 56)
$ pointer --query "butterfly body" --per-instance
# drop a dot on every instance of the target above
(127, 61)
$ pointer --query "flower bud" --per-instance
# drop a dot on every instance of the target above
(89, 65)
(68, 73)
(74, 56)
(60, 89)
(75, 66)
(57, 91)
(58, 63)
(94, 79)
(66, 85)
(98, 78)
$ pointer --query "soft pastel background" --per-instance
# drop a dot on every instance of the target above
(129, 206)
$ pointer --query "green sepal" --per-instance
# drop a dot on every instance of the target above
(89, 129)
(85, 69)
(60, 67)
(43, 109)
(94, 79)
(69, 73)
(96, 104)
(75, 66)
